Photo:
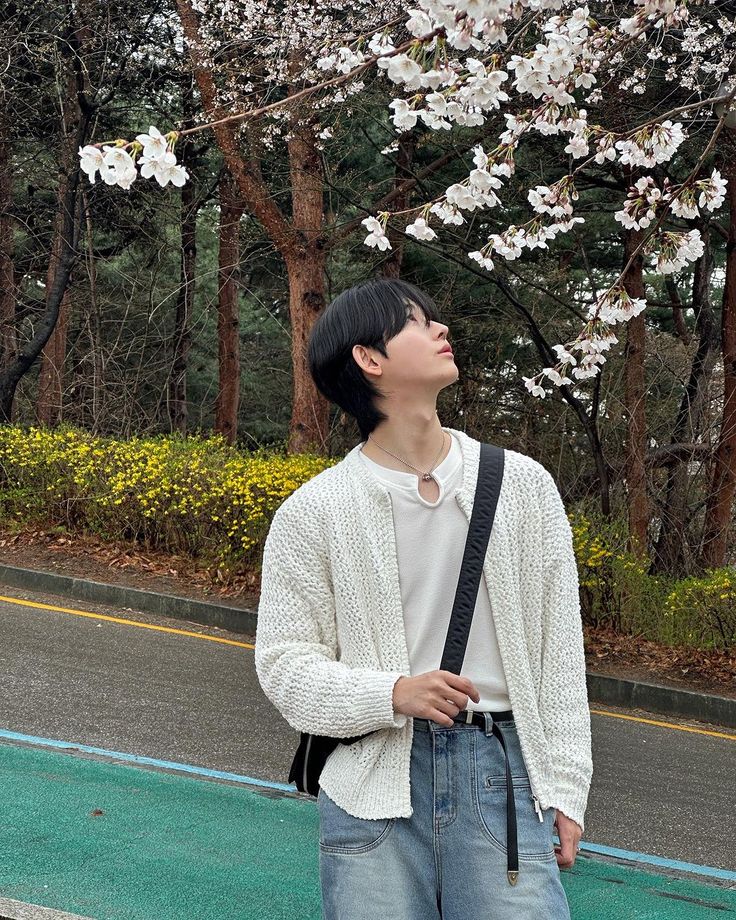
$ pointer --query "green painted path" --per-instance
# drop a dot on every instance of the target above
(107, 840)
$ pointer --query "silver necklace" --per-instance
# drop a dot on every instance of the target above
(425, 476)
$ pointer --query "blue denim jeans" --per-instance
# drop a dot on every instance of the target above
(447, 861)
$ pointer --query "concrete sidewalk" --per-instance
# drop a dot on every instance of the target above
(18, 910)
(87, 836)
(614, 691)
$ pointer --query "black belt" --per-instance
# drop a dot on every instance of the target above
(472, 717)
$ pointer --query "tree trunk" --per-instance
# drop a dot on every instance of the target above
(305, 263)
(178, 407)
(245, 169)
(178, 413)
(670, 551)
(94, 330)
(68, 239)
(718, 514)
(635, 402)
(49, 400)
(228, 317)
(678, 316)
(300, 243)
(8, 342)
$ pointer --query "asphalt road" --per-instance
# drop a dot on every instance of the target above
(665, 789)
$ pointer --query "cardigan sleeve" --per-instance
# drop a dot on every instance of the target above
(296, 638)
(563, 702)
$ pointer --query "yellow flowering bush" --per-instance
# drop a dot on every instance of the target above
(200, 496)
(596, 543)
(197, 495)
(618, 590)
(703, 610)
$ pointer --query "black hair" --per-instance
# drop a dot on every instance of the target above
(369, 314)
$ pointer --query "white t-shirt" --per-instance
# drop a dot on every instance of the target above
(430, 541)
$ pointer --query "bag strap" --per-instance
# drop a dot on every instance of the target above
(487, 489)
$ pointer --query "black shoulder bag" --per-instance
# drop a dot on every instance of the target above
(313, 750)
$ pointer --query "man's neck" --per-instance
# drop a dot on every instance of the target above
(422, 459)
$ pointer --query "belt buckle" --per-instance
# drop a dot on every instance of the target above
(468, 716)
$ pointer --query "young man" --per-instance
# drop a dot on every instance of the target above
(463, 778)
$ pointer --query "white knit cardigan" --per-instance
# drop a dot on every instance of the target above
(330, 641)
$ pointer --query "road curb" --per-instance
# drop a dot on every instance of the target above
(237, 619)
(685, 704)
(614, 691)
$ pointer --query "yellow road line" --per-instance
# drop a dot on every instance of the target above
(102, 616)
(196, 635)
(681, 728)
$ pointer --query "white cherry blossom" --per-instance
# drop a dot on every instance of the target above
(154, 143)
(420, 229)
(92, 161)
(401, 69)
(164, 169)
(121, 169)
(712, 191)
(376, 236)
(404, 117)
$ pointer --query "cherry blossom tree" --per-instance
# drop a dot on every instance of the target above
(239, 72)
(519, 69)
(539, 63)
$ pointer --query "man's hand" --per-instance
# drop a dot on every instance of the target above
(435, 695)
(569, 832)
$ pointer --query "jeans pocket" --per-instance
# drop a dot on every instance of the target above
(340, 832)
(534, 838)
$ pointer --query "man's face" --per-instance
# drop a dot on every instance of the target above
(414, 354)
